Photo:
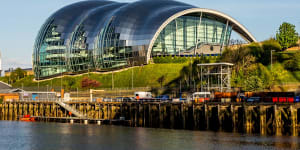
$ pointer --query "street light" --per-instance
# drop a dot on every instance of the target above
(132, 75)
(22, 91)
(271, 58)
(112, 79)
(47, 91)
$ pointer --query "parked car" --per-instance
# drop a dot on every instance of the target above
(253, 100)
(297, 99)
(163, 97)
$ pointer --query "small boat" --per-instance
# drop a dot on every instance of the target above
(27, 118)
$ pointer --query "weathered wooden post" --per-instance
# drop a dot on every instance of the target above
(294, 117)
(20, 111)
(6, 111)
(136, 115)
(47, 110)
(108, 111)
(172, 116)
(263, 120)
(81, 108)
(88, 110)
(249, 119)
(234, 116)
(36, 109)
(140, 115)
(183, 115)
(277, 120)
(1, 108)
(15, 111)
(220, 116)
(277, 115)
(54, 110)
(294, 120)
(97, 111)
(41, 111)
(207, 116)
(30, 109)
(101, 112)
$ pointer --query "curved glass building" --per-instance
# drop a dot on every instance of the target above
(103, 35)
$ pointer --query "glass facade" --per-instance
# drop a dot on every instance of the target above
(104, 35)
(188, 33)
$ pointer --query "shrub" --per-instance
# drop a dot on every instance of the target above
(89, 83)
(293, 64)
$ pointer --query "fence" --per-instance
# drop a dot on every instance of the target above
(83, 100)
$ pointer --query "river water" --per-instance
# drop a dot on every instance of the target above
(55, 136)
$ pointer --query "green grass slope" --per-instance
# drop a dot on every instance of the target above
(144, 76)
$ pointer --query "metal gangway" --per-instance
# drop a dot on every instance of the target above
(72, 110)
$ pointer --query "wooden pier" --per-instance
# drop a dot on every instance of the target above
(264, 118)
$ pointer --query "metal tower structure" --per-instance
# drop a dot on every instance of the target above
(215, 76)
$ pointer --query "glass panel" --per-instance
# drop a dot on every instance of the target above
(185, 35)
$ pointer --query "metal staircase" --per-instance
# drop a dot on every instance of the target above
(70, 109)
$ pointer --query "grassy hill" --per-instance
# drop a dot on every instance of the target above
(145, 76)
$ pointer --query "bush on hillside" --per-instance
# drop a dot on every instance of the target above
(267, 47)
(89, 83)
(255, 78)
(293, 64)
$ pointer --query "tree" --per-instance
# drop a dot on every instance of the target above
(17, 75)
(287, 35)
(20, 73)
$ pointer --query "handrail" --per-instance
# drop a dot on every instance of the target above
(103, 100)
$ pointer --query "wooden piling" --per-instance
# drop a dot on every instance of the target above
(249, 117)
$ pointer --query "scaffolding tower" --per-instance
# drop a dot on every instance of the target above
(215, 76)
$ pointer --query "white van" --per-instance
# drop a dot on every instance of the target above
(142, 95)
(200, 97)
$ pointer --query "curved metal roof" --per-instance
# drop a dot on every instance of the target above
(135, 24)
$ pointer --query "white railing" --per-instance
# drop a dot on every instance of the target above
(70, 109)
(102, 100)
(40, 100)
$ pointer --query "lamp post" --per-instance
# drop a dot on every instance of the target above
(22, 91)
(61, 89)
(271, 58)
(132, 75)
(38, 80)
(112, 80)
(47, 91)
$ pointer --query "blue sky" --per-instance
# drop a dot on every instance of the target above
(21, 20)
